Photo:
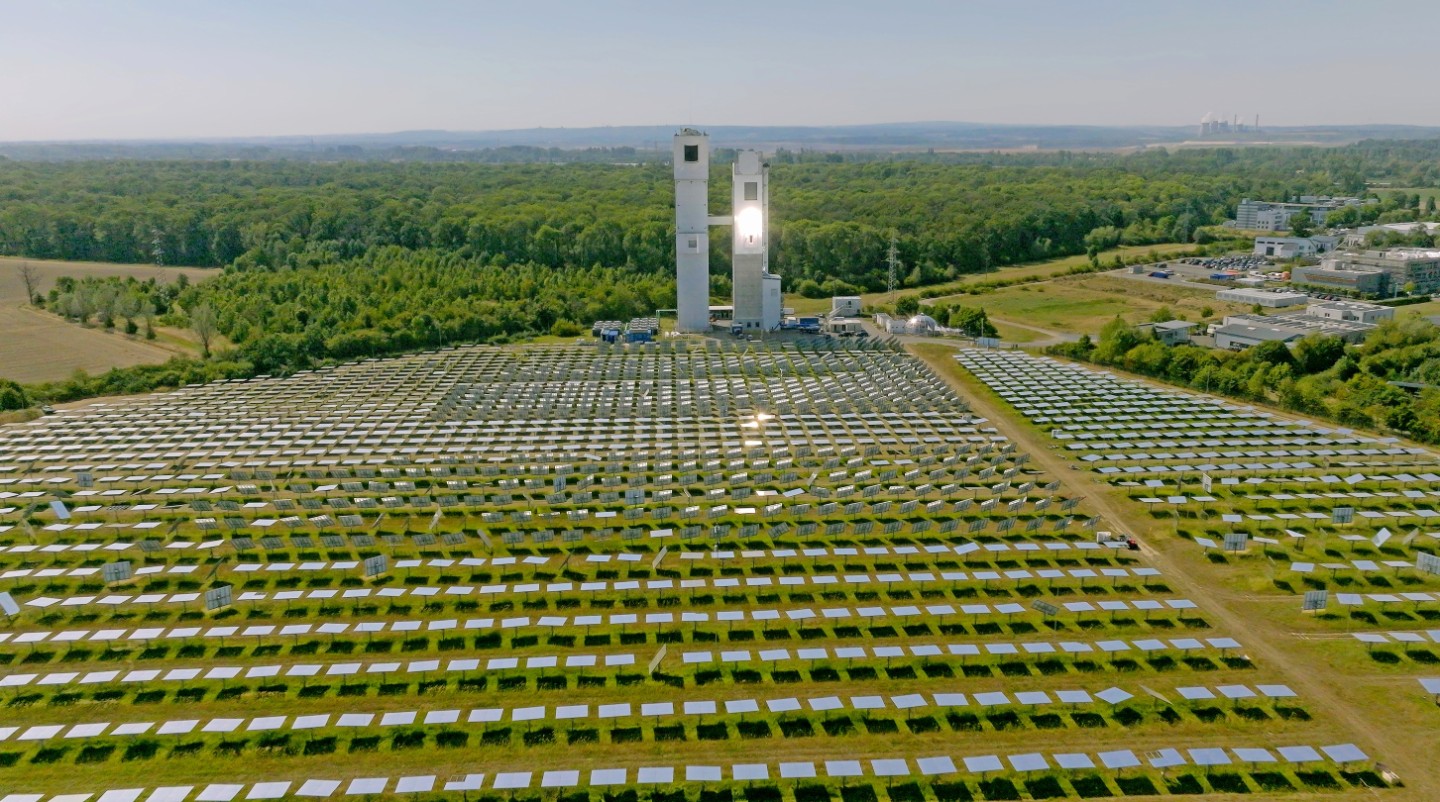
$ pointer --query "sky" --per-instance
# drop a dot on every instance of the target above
(173, 69)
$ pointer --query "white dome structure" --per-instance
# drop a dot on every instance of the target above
(922, 324)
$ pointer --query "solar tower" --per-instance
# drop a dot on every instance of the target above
(692, 237)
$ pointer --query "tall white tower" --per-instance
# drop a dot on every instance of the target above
(692, 235)
(756, 291)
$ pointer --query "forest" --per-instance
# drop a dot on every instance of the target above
(833, 216)
(1319, 375)
(331, 261)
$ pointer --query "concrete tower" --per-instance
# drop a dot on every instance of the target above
(692, 237)
(757, 291)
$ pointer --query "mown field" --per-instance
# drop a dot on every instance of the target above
(1026, 272)
(36, 346)
(1083, 304)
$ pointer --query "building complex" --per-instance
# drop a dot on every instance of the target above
(1382, 273)
(1348, 320)
(1264, 216)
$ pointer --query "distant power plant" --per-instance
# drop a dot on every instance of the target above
(1210, 125)
(756, 298)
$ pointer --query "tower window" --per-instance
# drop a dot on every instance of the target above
(752, 190)
(692, 153)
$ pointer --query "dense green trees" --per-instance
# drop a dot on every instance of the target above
(330, 261)
(392, 299)
(952, 214)
(1317, 376)
(12, 396)
(106, 301)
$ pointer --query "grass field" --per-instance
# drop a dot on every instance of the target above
(1084, 304)
(36, 346)
(1033, 270)
(1015, 334)
(1427, 309)
(1423, 192)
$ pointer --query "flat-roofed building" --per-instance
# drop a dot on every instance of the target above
(1350, 311)
(1273, 299)
(1362, 281)
(845, 306)
(1403, 267)
(1293, 247)
(1266, 216)
(1238, 332)
(1171, 332)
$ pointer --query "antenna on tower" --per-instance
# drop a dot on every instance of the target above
(892, 260)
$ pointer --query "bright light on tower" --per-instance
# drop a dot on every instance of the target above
(750, 222)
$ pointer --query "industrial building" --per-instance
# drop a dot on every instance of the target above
(1383, 273)
(845, 306)
(1348, 320)
(1263, 216)
(1355, 237)
(1273, 299)
(916, 324)
(1351, 311)
(1343, 279)
(1212, 126)
(844, 326)
(1294, 247)
(757, 300)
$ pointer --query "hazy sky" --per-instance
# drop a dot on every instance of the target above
(199, 68)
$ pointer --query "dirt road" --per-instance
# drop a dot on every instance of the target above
(1269, 644)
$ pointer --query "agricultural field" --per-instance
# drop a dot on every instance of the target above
(1320, 537)
(701, 569)
(36, 346)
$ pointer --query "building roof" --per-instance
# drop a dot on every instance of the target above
(1412, 253)
(1175, 325)
(1333, 267)
(1258, 332)
(1255, 293)
(1347, 306)
(1292, 324)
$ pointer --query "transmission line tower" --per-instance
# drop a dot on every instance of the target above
(892, 260)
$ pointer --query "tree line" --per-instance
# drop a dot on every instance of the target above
(333, 261)
(386, 301)
(1389, 382)
(951, 214)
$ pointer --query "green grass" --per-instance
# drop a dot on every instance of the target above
(1086, 303)
(1015, 334)
(1423, 192)
(1035, 271)
(1427, 309)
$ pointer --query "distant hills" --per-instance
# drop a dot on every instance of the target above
(646, 142)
